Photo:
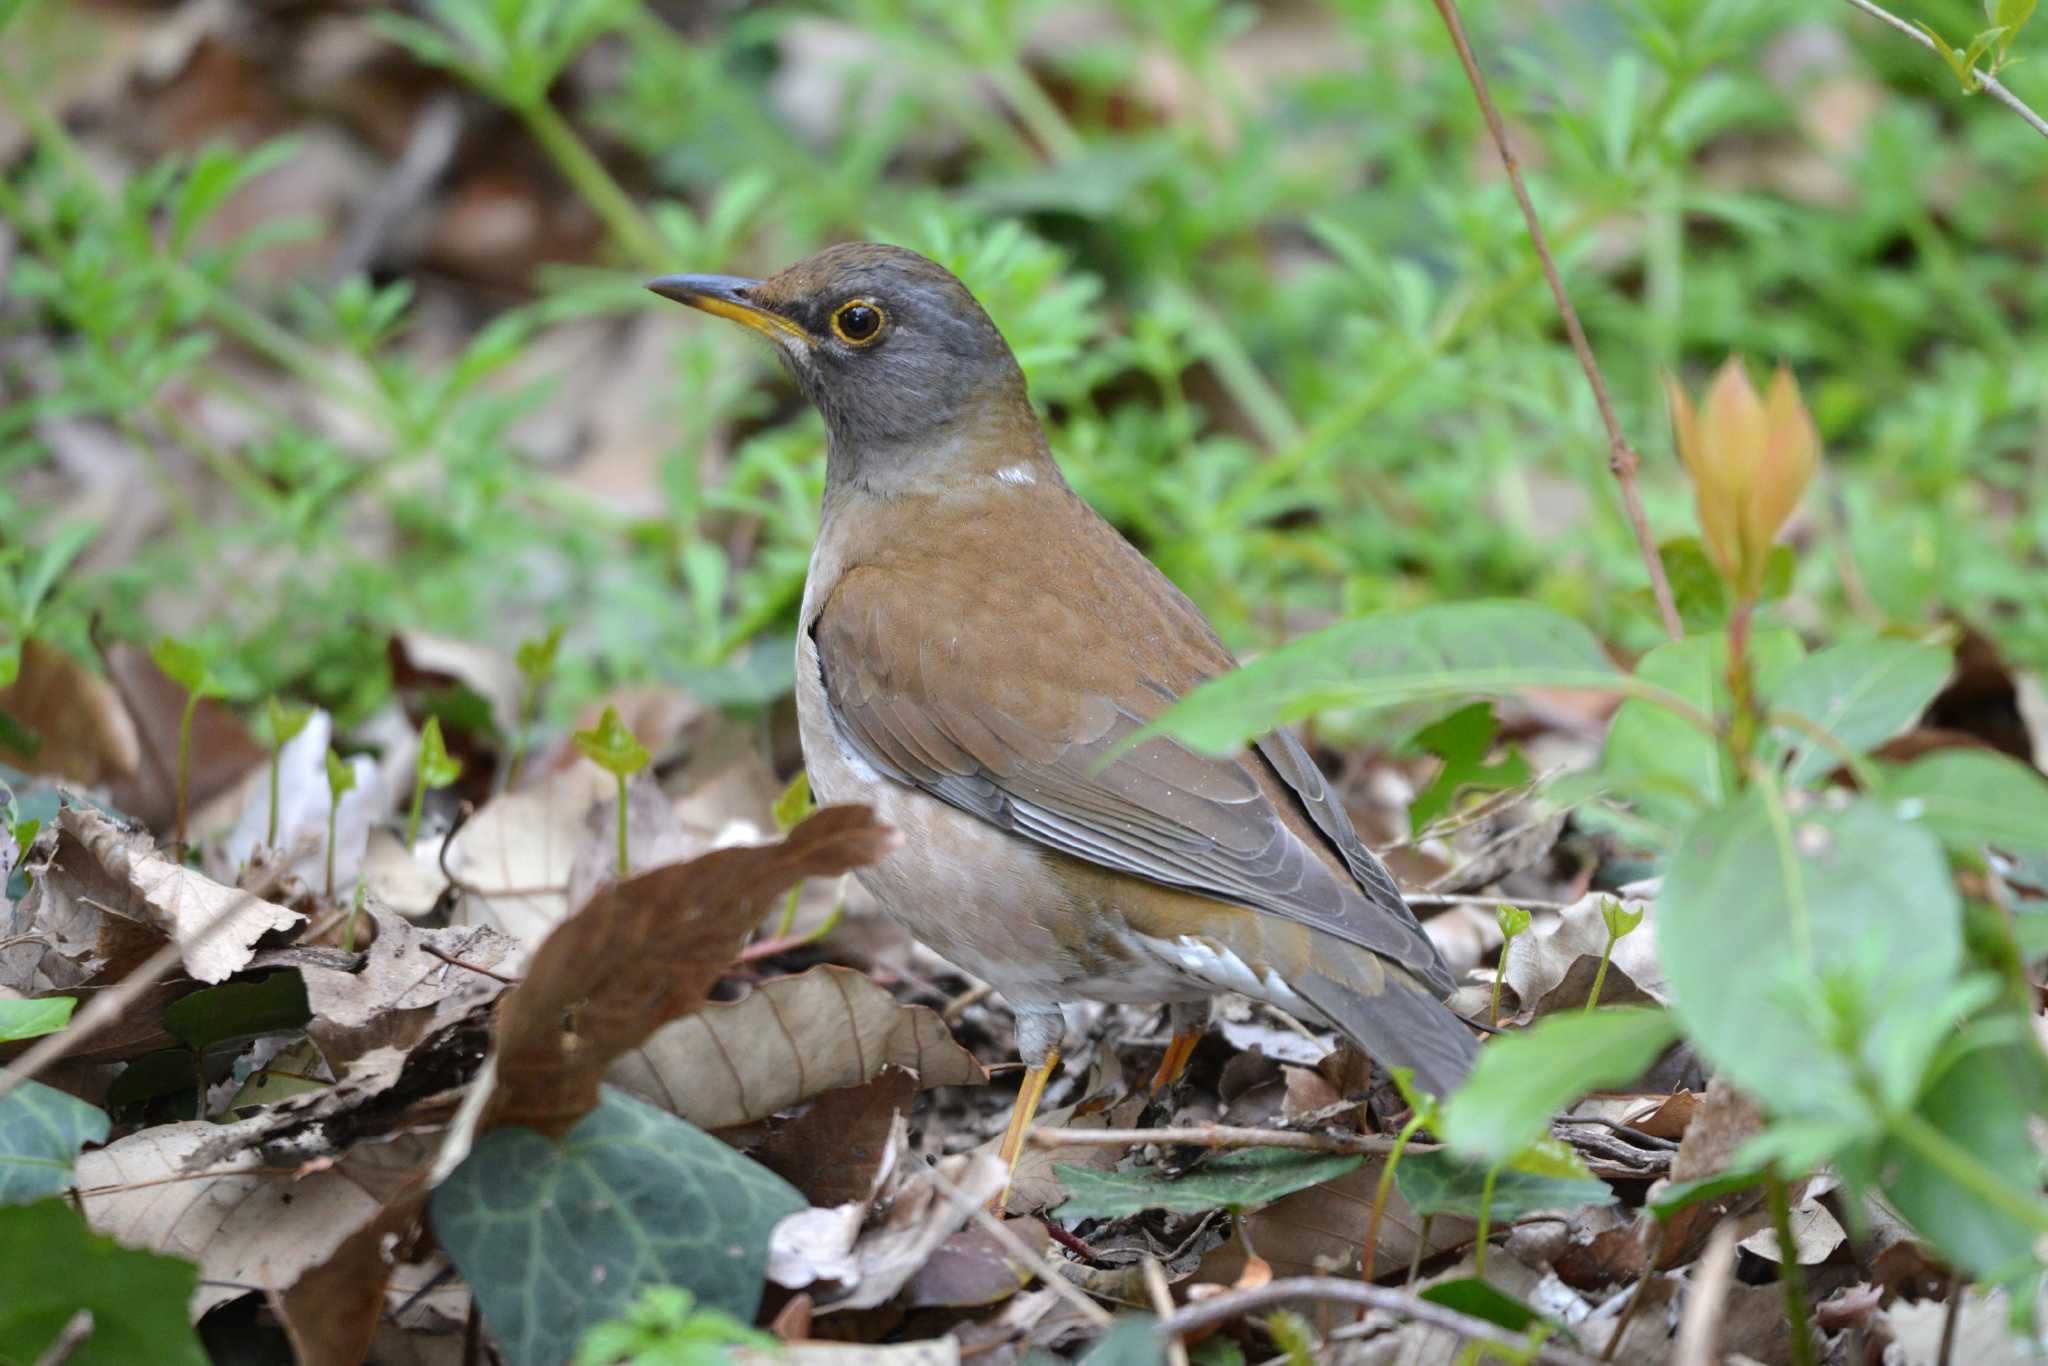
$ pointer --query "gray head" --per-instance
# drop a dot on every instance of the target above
(890, 346)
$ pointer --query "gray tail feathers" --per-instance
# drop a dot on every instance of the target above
(1401, 1025)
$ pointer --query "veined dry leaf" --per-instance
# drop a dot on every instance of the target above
(834, 1152)
(512, 859)
(87, 736)
(402, 992)
(646, 951)
(788, 1040)
(331, 1314)
(240, 1221)
(104, 876)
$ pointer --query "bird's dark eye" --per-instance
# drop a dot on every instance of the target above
(857, 321)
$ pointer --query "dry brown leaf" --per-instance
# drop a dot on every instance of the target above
(1321, 1231)
(788, 1040)
(242, 1222)
(422, 658)
(108, 899)
(405, 986)
(222, 749)
(1544, 968)
(972, 1268)
(1815, 1235)
(87, 736)
(644, 952)
(512, 860)
(834, 1151)
(331, 1315)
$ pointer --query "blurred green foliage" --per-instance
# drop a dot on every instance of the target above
(1278, 307)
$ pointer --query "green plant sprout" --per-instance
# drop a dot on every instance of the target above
(613, 748)
(1423, 1113)
(1620, 922)
(1513, 920)
(281, 725)
(185, 666)
(665, 1326)
(2007, 18)
(436, 769)
(341, 778)
(536, 660)
(790, 808)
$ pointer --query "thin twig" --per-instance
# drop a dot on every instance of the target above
(1635, 1297)
(1425, 900)
(1950, 1314)
(1024, 1254)
(1235, 1304)
(1216, 1136)
(1990, 83)
(1622, 459)
(1161, 1296)
(76, 1330)
(433, 952)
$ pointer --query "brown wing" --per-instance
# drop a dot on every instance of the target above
(1007, 695)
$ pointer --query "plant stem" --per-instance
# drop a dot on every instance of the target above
(1622, 459)
(348, 933)
(1485, 1219)
(622, 822)
(1742, 718)
(185, 767)
(1789, 1275)
(620, 214)
(333, 810)
(419, 801)
(1600, 973)
(788, 921)
(1990, 83)
(276, 762)
(1381, 1193)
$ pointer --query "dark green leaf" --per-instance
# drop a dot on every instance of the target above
(1862, 693)
(1685, 1194)
(1525, 1077)
(1444, 651)
(56, 1267)
(41, 1131)
(1441, 1182)
(1971, 798)
(1131, 1341)
(1463, 740)
(1842, 928)
(558, 1238)
(32, 1019)
(1240, 1180)
(239, 1010)
(1471, 1295)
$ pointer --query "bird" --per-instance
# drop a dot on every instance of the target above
(976, 649)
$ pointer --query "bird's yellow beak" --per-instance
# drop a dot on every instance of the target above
(726, 296)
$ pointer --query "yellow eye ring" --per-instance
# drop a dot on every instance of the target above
(858, 321)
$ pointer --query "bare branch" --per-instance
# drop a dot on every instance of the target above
(1215, 1136)
(1621, 457)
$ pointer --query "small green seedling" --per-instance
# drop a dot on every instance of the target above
(536, 661)
(281, 725)
(1620, 922)
(341, 778)
(2006, 18)
(436, 769)
(185, 666)
(791, 807)
(1423, 1113)
(613, 748)
(1513, 920)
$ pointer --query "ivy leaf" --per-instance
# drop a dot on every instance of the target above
(41, 1131)
(1463, 740)
(1441, 1182)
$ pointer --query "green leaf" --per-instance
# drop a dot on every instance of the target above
(557, 1238)
(1972, 797)
(341, 775)
(1513, 921)
(795, 803)
(56, 1266)
(32, 1019)
(666, 1327)
(41, 1130)
(1813, 955)
(1863, 693)
(1131, 1341)
(1482, 1300)
(282, 723)
(1425, 653)
(1684, 1195)
(183, 665)
(1525, 1077)
(1696, 585)
(611, 746)
(437, 769)
(1672, 768)
(1463, 740)
(1620, 921)
(239, 1011)
(1236, 1181)
(1441, 1182)
(2011, 15)
(536, 657)
(50, 562)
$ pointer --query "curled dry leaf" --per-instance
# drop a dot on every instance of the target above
(1321, 1231)
(646, 951)
(244, 1223)
(512, 860)
(332, 1313)
(408, 983)
(786, 1041)
(108, 899)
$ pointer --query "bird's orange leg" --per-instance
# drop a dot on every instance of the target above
(1028, 1096)
(1176, 1060)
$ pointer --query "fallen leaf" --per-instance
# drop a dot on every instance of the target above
(332, 1313)
(646, 951)
(788, 1040)
(511, 861)
(1321, 1231)
(244, 1223)
(1815, 1235)
(420, 658)
(400, 992)
(114, 879)
(834, 1152)
(1543, 967)
(86, 734)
